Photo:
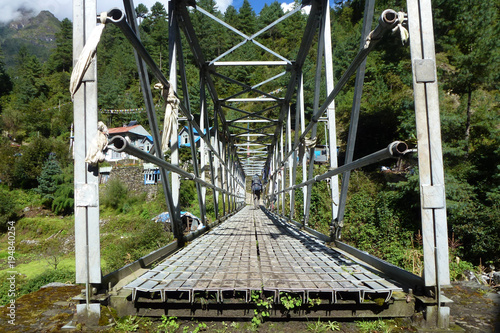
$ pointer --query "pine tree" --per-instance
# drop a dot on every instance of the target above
(268, 15)
(5, 81)
(61, 60)
(141, 10)
(247, 20)
(472, 43)
(48, 180)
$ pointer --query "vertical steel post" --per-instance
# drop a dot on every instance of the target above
(300, 96)
(332, 128)
(231, 180)
(173, 35)
(430, 156)
(304, 158)
(224, 174)
(216, 163)
(276, 177)
(204, 120)
(87, 242)
(290, 158)
(317, 87)
(283, 175)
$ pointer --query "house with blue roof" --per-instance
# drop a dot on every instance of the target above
(184, 137)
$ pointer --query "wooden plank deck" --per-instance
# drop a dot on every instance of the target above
(253, 252)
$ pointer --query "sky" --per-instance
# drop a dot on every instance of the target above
(9, 9)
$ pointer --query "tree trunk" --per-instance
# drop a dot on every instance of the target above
(467, 123)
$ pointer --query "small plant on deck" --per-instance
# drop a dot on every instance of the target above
(290, 302)
(263, 306)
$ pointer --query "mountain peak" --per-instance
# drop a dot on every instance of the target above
(37, 33)
(27, 18)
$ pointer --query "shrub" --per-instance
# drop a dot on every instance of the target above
(148, 236)
(187, 193)
(7, 209)
(60, 275)
(25, 286)
(458, 268)
(5, 287)
(115, 194)
(64, 200)
(63, 203)
(49, 180)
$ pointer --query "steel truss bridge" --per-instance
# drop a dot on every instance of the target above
(248, 250)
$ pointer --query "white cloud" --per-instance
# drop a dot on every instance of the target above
(290, 6)
(10, 9)
(223, 4)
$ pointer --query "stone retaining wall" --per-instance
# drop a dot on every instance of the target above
(133, 178)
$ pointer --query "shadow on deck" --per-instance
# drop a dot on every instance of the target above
(255, 258)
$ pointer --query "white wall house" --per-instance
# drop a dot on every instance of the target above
(135, 134)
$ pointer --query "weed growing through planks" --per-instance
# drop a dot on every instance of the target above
(263, 306)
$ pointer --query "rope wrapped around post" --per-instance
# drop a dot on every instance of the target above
(304, 145)
(86, 56)
(99, 143)
(171, 110)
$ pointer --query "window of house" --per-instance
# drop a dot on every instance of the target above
(116, 155)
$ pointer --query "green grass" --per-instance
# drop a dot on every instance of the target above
(34, 268)
(40, 236)
(42, 227)
(376, 326)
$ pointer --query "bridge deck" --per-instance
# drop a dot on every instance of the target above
(253, 252)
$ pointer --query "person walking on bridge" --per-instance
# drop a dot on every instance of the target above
(256, 189)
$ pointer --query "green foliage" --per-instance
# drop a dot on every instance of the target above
(5, 287)
(5, 81)
(138, 238)
(320, 327)
(25, 286)
(64, 201)
(127, 324)
(263, 304)
(7, 209)
(246, 21)
(290, 302)
(375, 214)
(375, 326)
(312, 302)
(115, 194)
(187, 194)
(48, 180)
(458, 268)
(168, 324)
(61, 58)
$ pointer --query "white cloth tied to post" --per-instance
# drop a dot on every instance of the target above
(97, 146)
(405, 35)
(85, 58)
(306, 144)
(171, 111)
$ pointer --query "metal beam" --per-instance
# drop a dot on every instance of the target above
(353, 124)
(430, 156)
